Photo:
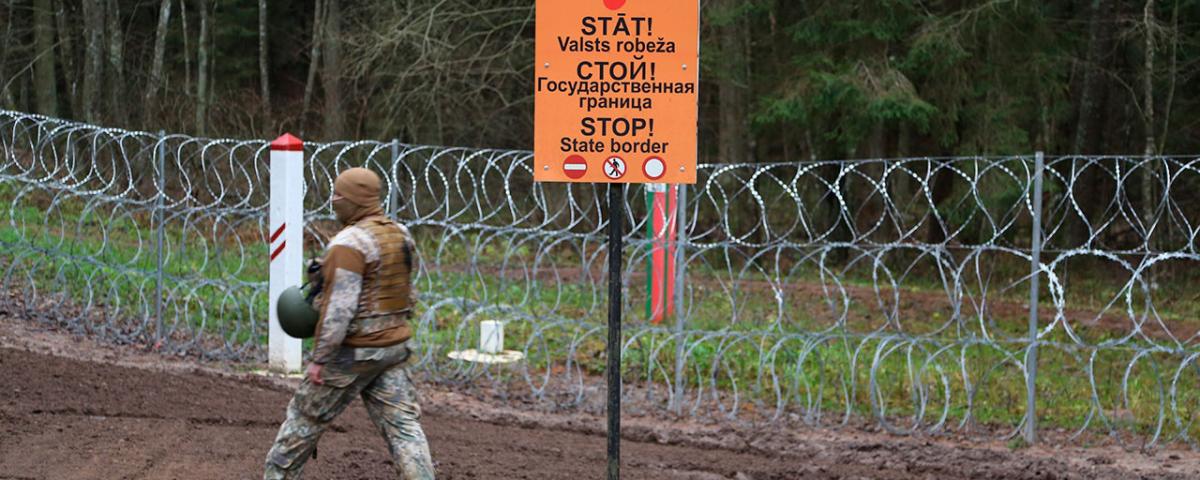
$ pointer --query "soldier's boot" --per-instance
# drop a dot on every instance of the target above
(275, 472)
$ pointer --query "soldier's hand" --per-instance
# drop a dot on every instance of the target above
(314, 373)
(314, 271)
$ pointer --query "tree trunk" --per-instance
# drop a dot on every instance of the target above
(116, 62)
(314, 57)
(263, 60)
(187, 47)
(939, 192)
(156, 63)
(213, 58)
(731, 86)
(331, 74)
(878, 141)
(67, 58)
(46, 83)
(1089, 123)
(202, 71)
(903, 185)
(1148, 172)
(1173, 77)
(23, 94)
(6, 98)
(93, 17)
(1091, 74)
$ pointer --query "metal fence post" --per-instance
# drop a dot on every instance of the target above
(1031, 353)
(393, 188)
(676, 402)
(161, 214)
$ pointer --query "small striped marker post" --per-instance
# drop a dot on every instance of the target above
(285, 244)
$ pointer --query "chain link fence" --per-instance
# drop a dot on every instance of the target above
(922, 295)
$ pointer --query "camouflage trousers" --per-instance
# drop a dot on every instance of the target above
(390, 398)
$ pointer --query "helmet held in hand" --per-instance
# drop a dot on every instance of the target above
(296, 313)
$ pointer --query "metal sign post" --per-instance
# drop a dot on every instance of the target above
(616, 237)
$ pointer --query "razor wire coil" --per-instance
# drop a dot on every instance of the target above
(816, 291)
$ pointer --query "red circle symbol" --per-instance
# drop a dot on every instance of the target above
(575, 167)
(614, 4)
(654, 168)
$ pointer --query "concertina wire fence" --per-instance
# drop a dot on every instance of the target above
(893, 293)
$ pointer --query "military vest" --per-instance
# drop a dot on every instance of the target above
(384, 304)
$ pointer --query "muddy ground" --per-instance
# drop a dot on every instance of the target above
(74, 409)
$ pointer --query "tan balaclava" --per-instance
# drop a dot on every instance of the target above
(358, 189)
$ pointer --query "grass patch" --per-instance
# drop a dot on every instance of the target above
(784, 343)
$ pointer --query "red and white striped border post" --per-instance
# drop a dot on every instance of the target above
(662, 206)
(285, 243)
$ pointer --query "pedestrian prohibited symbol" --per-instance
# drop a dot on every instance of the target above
(614, 168)
(654, 168)
(575, 167)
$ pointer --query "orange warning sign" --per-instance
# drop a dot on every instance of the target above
(616, 87)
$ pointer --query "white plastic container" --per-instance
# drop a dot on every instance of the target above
(491, 337)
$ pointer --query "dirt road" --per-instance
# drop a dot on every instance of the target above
(71, 418)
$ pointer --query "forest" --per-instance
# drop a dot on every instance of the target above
(781, 80)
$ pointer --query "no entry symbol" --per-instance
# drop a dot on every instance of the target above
(575, 167)
(614, 168)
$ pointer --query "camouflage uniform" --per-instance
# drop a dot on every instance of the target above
(391, 401)
(361, 344)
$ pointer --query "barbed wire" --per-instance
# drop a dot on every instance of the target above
(818, 292)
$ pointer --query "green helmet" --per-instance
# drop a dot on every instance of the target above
(296, 314)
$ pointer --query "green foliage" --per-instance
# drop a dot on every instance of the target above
(846, 78)
(975, 77)
(822, 78)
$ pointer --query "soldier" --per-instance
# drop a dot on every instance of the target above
(360, 346)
